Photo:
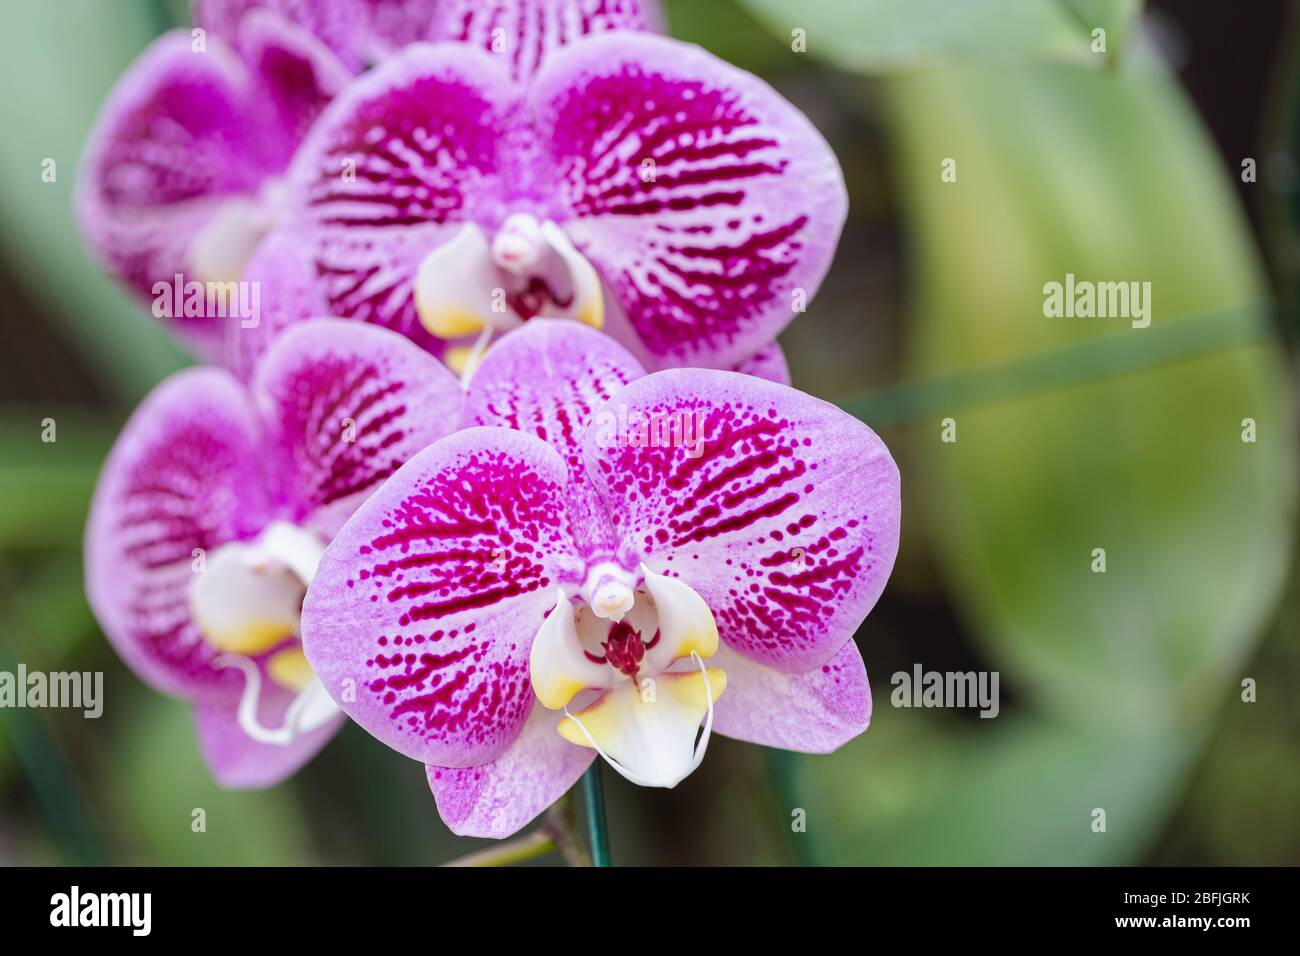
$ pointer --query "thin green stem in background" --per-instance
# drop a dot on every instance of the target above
(597, 832)
(1095, 360)
(530, 847)
(51, 778)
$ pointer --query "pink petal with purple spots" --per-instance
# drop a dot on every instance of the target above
(239, 763)
(428, 600)
(816, 711)
(769, 364)
(283, 273)
(185, 474)
(498, 799)
(347, 404)
(526, 32)
(707, 201)
(781, 511)
(395, 165)
(547, 378)
(177, 138)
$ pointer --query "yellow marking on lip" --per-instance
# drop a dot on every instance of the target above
(447, 320)
(290, 669)
(610, 717)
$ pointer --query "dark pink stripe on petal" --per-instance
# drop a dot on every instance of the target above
(780, 510)
(710, 204)
(184, 475)
(548, 378)
(396, 164)
(429, 598)
(526, 32)
(181, 134)
(347, 405)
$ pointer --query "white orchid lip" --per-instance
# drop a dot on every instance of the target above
(246, 602)
(220, 251)
(647, 715)
(529, 268)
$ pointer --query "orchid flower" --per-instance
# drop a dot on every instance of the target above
(607, 562)
(629, 181)
(182, 173)
(214, 508)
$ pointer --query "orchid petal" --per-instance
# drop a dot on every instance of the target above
(499, 798)
(393, 168)
(182, 480)
(284, 277)
(171, 146)
(393, 24)
(526, 32)
(240, 763)
(769, 363)
(816, 711)
(336, 26)
(710, 205)
(428, 600)
(298, 74)
(349, 404)
(781, 511)
(547, 378)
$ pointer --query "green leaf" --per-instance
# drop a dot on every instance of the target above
(916, 791)
(157, 782)
(885, 35)
(45, 487)
(38, 239)
(1108, 177)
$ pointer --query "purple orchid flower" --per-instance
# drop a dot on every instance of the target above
(181, 177)
(591, 562)
(214, 508)
(631, 182)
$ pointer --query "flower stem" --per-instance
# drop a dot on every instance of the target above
(535, 844)
(596, 829)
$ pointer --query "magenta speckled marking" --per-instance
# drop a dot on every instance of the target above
(196, 487)
(421, 154)
(467, 540)
(699, 275)
(749, 510)
(347, 420)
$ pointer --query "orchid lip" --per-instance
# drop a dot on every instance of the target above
(671, 780)
(247, 602)
(621, 637)
(221, 250)
(471, 285)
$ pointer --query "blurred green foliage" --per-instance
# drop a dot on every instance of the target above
(886, 35)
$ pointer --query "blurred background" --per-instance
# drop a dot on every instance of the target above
(1119, 690)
